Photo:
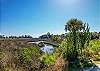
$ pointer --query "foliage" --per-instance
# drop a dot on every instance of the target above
(29, 53)
(85, 56)
(74, 24)
(19, 58)
(76, 39)
(75, 42)
(94, 43)
(49, 59)
(90, 54)
(56, 38)
(94, 47)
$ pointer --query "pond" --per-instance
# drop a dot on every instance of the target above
(47, 49)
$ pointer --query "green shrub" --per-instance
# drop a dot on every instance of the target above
(29, 53)
(25, 53)
(94, 43)
(94, 47)
(49, 59)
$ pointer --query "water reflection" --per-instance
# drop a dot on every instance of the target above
(47, 49)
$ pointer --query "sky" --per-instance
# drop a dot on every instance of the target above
(37, 17)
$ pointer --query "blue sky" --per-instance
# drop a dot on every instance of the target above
(36, 17)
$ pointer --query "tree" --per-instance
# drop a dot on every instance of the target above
(75, 41)
(74, 24)
(56, 38)
(48, 35)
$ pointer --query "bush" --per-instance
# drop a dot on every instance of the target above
(27, 54)
(49, 59)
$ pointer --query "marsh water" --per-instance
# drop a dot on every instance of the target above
(47, 49)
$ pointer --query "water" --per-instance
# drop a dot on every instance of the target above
(47, 49)
(93, 68)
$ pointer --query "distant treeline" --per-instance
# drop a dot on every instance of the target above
(12, 37)
(94, 35)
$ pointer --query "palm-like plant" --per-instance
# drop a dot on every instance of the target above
(74, 24)
(77, 38)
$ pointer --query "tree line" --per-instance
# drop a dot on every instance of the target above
(12, 37)
(94, 35)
